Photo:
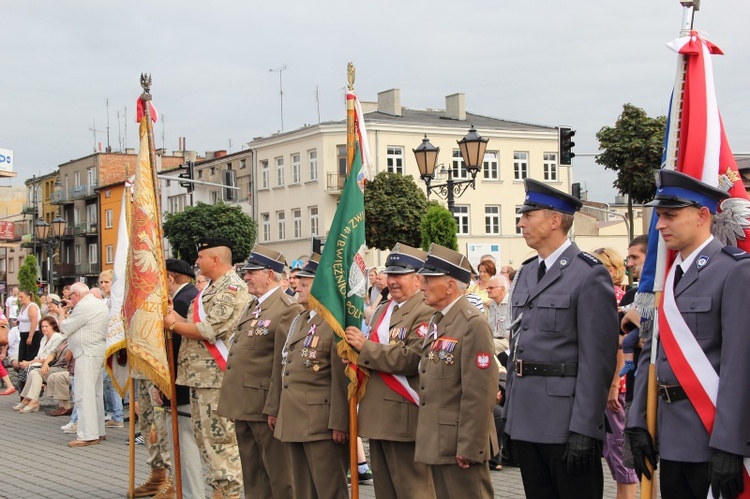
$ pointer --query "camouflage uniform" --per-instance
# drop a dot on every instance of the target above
(223, 302)
(149, 421)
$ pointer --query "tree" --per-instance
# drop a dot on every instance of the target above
(185, 229)
(27, 276)
(394, 207)
(633, 148)
(440, 227)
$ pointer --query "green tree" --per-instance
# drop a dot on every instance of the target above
(439, 226)
(394, 207)
(633, 148)
(27, 275)
(185, 229)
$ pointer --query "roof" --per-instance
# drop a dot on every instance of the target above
(743, 162)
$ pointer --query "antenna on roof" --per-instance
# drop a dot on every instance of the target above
(94, 131)
(109, 147)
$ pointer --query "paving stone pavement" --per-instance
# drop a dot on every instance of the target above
(37, 463)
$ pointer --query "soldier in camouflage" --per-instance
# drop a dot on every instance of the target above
(202, 360)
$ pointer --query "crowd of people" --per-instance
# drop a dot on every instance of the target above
(470, 369)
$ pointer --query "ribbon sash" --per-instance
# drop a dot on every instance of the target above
(218, 350)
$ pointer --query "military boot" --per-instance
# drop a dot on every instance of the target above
(157, 480)
(167, 492)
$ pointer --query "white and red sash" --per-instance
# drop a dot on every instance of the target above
(218, 350)
(396, 382)
(687, 359)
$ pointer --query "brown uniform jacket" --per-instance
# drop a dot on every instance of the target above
(314, 387)
(457, 393)
(223, 301)
(383, 413)
(250, 391)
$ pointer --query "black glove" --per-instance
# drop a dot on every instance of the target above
(642, 447)
(580, 452)
(725, 474)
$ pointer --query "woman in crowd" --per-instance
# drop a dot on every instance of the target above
(627, 480)
(486, 269)
(38, 369)
(28, 325)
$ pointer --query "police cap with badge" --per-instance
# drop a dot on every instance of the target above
(180, 267)
(404, 260)
(540, 196)
(310, 267)
(444, 261)
(263, 257)
(677, 190)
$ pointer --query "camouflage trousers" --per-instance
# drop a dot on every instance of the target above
(153, 425)
(216, 441)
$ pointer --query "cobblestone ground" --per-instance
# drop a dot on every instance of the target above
(37, 463)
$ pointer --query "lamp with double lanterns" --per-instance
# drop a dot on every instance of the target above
(50, 235)
(472, 148)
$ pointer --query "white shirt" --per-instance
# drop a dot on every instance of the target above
(550, 260)
(11, 305)
(687, 262)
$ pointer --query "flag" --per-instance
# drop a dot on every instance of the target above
(146, 279)
(116, 355)
(703, 152)
(338, 291)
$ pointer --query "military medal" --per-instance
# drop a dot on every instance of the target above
(313, 354)
(449, 359)
(308, 363)
(304, 352)
(431, 355)
(316, 367)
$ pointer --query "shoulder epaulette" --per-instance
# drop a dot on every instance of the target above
(529, 260)
(589, 258)
(735, 252)
(288, 300)
(469, 312)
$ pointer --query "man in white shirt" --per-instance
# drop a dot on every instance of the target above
(11, 306)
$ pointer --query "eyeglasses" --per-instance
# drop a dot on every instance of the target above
(493, 287)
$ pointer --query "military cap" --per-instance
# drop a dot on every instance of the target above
(263, 257)
(180, 267)
(540, 196)
(404, 260)
(214, 242)
(677, 190)
(310, 267)
(444, 261)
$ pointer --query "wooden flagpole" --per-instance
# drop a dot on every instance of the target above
(351, 137)
(176, 460)
(649, 486)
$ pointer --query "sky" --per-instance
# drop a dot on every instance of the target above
(546, 62)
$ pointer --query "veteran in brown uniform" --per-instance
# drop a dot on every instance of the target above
(202, 356)
(458, 380)
(388, 411)
(250, 391)
(314, 413)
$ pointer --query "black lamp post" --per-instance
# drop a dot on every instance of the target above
(50, 235)
(472, 148)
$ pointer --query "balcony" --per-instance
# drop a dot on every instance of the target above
(28, 209)
(88, 269)
(84, 229)
(334, 183)
(64, 269)
(3, 276)
(60, 197)
(84, 191)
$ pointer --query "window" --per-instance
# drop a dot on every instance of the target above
(266, 222)
(91, 174)
(77, 178)
(264, 175)
(109, 218)
(214, 197)
(312, 158)
(395, 159)
(229, 179)
(281, 224)
(492, 219)
(520, 165)
(461, 214)
(279, 171)
(78, 254)
(341, 159)
(92, 214)
(213, 171)
(490, 168)
(110, 250)
(11, 265)
(314, 225)
(518, 219)
(176, 204)
(550, 166)
(296, 171)
(243, 164)
(459, 170)
(93, 254)
(200, 173)
(297, 222)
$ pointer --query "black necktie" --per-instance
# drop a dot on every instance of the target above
(678, 273)
(541, 271)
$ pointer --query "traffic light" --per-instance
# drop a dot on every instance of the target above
(566, 145)
(188, 174)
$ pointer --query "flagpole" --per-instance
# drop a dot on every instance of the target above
(351, 137)
(648, 486)
(176, 460)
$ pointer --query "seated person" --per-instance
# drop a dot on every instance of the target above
(33, 387)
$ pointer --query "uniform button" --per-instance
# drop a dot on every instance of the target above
(526, 328)
(692, 306)
(520, 350)
(367, 362)
(231, 353)
(229, 367)
(287, 374)
(423, 403)
(553, 303)
(531, 305)
(291, 349)
(422, 387)
(325, 400)
(481, 451)
(286, 386)
(424, 371)
(601, 426)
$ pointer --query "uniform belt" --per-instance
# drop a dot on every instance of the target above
(672, 393)
(524, 368)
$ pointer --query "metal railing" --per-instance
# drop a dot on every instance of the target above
(335, 182)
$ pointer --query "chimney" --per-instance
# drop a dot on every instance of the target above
(455, 107)
(220, 153)
(130, 150)
(368, 107)
(389, 102)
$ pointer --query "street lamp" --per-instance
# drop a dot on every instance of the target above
(50, 235)
(472, 148)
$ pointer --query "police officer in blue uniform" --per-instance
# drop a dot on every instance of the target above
(563, 352)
